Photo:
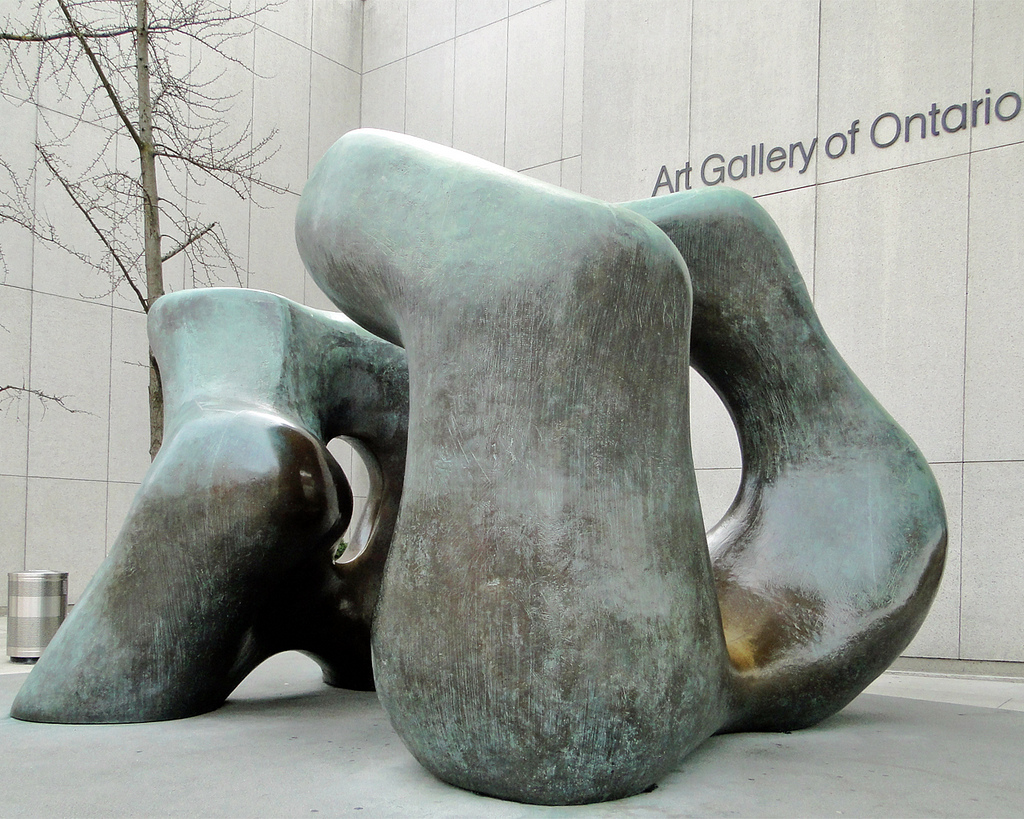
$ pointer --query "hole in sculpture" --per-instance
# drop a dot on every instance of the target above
(716, 450)
(363, 474)
(290, 675)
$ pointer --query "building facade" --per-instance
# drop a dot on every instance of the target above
(885, 139)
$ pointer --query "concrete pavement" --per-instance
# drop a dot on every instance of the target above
(286, 745)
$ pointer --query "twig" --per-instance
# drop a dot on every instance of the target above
(96, 228)
(59, 400)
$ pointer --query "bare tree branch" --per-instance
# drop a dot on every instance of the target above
(87, 213)
(36, 37)
(16, 392)
(191, 240)
(97, 34)
(115, 100)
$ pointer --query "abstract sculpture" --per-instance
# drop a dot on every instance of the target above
(828, 559)
(550, 530)
(226, 556)
(550, 626)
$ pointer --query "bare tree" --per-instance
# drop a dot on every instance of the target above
(144, 68)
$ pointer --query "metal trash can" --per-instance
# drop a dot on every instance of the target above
(37, 603)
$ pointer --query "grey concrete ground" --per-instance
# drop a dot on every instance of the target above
(287, 745)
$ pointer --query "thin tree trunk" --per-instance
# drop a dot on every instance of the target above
(151, 213)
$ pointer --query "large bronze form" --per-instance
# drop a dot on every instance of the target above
(829, 557)
(549, 625)
(226, 556)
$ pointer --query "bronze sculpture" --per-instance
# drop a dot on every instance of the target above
(226, 556)
(550, 627)
(828, 559)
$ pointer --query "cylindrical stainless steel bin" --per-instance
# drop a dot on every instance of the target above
(37, 603)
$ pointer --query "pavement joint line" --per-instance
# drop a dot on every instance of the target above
(898, 672)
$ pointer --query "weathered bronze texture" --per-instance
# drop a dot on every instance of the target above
(547, 629)
(549, 625)
(226, 556)
(830, 555)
